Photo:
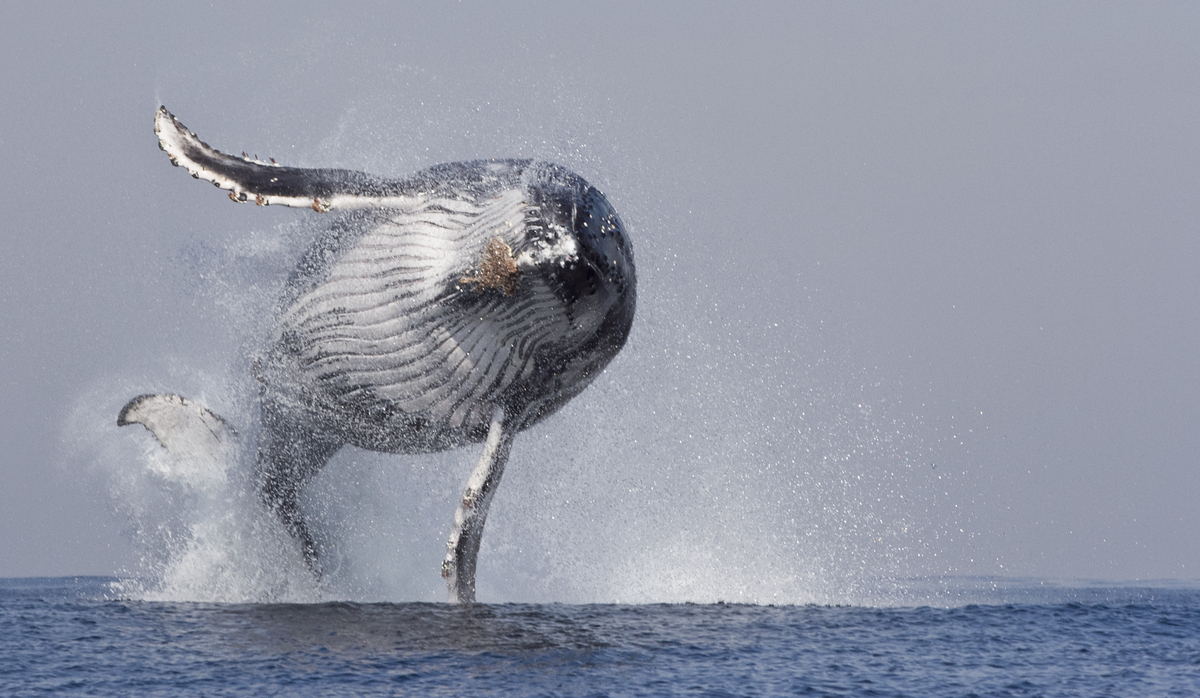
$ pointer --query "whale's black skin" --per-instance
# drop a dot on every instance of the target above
(459, 305)
(586, 293)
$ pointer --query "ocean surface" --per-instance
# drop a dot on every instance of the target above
(75, 636)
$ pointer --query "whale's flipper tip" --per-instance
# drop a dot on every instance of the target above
(173, 137)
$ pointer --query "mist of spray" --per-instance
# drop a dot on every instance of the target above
(731, 452)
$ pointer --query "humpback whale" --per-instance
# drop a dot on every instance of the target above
(459, 305)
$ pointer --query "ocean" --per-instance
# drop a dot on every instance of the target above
(78, 636)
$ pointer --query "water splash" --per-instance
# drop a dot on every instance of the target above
(736, 450)
(798, 493)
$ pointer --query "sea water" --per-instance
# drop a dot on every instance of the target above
(79, 636)
(764, 472)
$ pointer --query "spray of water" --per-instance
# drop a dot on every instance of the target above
(732, 451)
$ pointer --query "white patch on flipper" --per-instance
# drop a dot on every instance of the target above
(199, 444)
(202, 161)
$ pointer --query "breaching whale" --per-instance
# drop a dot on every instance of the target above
(459, 305)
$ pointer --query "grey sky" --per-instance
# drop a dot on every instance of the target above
(932, 266)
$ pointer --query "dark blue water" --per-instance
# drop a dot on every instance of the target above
(65, 637)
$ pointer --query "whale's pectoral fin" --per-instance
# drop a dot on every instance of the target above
(290, 453)
(463, 547)
(266, 183)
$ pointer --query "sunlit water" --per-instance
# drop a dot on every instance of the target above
(77, 636)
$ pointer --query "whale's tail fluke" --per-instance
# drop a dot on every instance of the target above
(198, 442)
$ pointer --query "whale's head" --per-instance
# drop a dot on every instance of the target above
(579, 244)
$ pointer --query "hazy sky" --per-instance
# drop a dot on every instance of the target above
(931, 269)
